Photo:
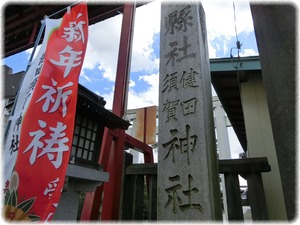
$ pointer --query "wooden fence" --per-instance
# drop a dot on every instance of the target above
(139, 197)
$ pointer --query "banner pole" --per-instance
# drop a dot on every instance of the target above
(36, 43)
(28, 65)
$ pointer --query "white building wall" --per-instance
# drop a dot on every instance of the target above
(261, 143)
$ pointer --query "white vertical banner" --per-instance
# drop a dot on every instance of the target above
(21, 104)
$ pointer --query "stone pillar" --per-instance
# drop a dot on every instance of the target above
(67, 208)
(275, 29)
(188, 178)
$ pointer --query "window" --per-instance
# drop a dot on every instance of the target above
(84, 146)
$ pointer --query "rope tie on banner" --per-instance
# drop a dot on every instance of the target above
(68, 8)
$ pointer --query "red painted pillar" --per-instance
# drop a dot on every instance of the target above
(111, 156)
(122, 78)
(91, 205)
(112, 189)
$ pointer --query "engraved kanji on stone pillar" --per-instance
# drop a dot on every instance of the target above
(188, 179)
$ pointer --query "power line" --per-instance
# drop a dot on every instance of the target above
(234, 16)
(238, 43)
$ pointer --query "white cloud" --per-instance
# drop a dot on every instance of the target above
(109, 99)
(147, 23)
(104, 38)
(220, 23)
(147, 98)
(248, 52)
(220, 17)
(85, 77)
(131, 83)
(151, 80)
(109, 73)
(30, 50)
(212, 51)
(102, 48)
